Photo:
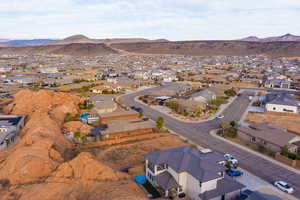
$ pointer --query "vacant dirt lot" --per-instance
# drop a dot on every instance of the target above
(123, 156)
(290, 122)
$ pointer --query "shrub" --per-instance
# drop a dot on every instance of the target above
(69, 117)
(262, 149)
(219, 101)
(230, 92)
(86, 105)
(230, 132)
(77, 134)
(160, 123)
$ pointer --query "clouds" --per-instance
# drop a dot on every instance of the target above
(172, 19)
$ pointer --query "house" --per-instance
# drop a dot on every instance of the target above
(270, 137)
(5, 68)
(103, 104)
(187, 171)
(204, 96)
(106, 88)
(48, 70)
(281, 102)
(120, 128)
(118, 114)
(277, 83)
(10, 126)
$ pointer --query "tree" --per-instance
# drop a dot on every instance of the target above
(160, 123)
(228, 165)
(230, 93)
(233, 124)
(141, 114)
(224, 125)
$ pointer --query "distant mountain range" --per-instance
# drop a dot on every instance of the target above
(84, 39)
(72, 39)
(283, 38)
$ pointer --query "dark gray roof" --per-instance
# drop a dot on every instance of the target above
(262, 196)
(10, 121)
(270, 133)
(281, 99)
(207, 94)
(224, 186)
(202, 166)
(166, 181)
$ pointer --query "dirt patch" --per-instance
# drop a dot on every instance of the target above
(131, 155)
(290, 122)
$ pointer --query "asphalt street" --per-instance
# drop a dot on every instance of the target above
(199, 134)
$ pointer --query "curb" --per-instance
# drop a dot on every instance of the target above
(213, 133)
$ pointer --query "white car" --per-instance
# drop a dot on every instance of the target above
(230, 158)
(220, 116)
(284, 186)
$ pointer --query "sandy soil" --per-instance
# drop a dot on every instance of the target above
(290, 122)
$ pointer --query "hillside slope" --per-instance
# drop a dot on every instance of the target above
(76, 49)
(194, 48)
(212, 48)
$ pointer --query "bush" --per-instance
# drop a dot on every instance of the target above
(77, 134)
(69, 117)
(230, 132)
(219, 101)
(262, 149)
(160, 123)
(285, 152)
(86, 105)
(230, 93)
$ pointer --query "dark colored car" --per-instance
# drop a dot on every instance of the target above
(234, 173)
(245, 194)
(138, 109)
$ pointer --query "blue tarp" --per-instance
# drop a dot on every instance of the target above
(140, 180)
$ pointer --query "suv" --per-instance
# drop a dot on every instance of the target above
(284, 186)
(231, 159)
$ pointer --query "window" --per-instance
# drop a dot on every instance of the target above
(253, 139)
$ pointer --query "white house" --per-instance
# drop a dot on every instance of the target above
(281, 102)
(10, 126)
(185, 171)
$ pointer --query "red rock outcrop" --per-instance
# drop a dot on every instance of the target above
(77, 126)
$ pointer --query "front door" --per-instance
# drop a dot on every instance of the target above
(223, 197)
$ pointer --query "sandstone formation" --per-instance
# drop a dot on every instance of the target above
(37, 168)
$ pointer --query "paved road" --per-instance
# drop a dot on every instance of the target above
(199, 134)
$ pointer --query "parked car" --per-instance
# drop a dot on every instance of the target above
(138, 109)
(234, 172)
(284, 186)
(220, 116)
(245, 194)
(232, 160)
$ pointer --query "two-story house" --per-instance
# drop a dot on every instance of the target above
(188, 171)
(10, 126)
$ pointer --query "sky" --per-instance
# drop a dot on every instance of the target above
(152, 19)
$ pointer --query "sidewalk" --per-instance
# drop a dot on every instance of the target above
(213, 133)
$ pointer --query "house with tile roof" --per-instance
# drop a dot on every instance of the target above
(186, 171)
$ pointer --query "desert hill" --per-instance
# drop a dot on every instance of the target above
(283, 38)
(214, 48)
(75, 49)
(85, 39)
(194, 48)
